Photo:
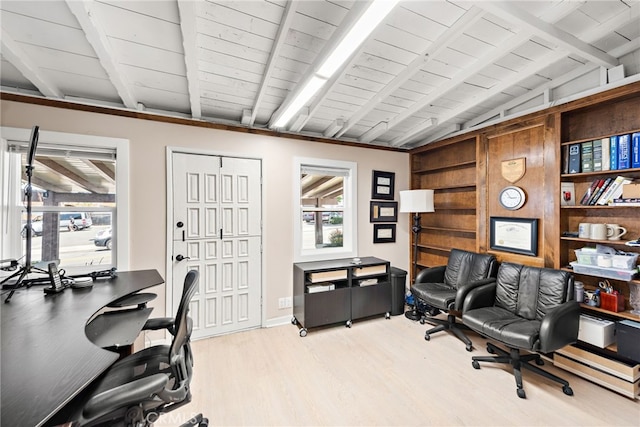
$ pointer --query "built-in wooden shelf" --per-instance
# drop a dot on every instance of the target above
(450, 230)
(602, 242)
(445, 167)
(454, 187)
(621, 314)
(600, 173)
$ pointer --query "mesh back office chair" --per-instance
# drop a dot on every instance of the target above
(527, 308)
(136, 390)
(445, 288)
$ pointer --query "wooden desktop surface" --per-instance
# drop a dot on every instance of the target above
(47, 358)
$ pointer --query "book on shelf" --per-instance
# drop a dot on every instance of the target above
(574, 158)
(635, 150)
(614, 190)
(321, 287)
(624, 146)
(597, 155)
(602, 186)
(567, 194)
(626, 201)
(565, 159)
(606, 154)
(368, 282)
(613, 152)
(323, 276)
(587, 156)
(587, 194)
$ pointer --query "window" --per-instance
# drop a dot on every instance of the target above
(79, 191)
(325, 209)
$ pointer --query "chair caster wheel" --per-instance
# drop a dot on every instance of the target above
(521, 394)
(422, 321)
(490, 350)
(567, 390)
(469, 347)
(348, 324)
(294, 321)
(539, 362)
(475, 364)
(303, 332)
(387, 315)
(427, 337)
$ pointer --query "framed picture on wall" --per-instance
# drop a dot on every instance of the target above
(382, 186)
(517, 235)
(383, 212)
(384, 233)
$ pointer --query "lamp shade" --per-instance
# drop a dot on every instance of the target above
(416, 201)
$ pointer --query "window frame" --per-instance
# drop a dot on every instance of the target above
(10, 196)
(349, 247)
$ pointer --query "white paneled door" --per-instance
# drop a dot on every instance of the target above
(217, 211)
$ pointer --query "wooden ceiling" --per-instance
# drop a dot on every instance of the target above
(431, 69)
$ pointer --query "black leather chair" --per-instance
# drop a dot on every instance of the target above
(445, 288)
(136, 390)
(527, 308)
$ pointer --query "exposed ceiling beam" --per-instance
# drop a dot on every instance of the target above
(44, 184)
(283, 30)
(512, 13)
(87, 17)
(105, 171)
(69, 174)
(13, 53)
(539, 64)
(187, 9)
(354, 14)
(440, 44)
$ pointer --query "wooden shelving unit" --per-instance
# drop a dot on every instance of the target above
(453, 224)
(614, 117)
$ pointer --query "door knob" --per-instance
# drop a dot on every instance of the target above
(179, 224)
(180, 257)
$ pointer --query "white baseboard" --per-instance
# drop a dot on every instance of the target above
(278, 321)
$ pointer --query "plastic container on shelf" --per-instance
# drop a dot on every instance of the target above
(622, 262)
(609, 273)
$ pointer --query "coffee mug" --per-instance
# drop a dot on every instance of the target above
(584, 230)
(599, 231)
(615, 232)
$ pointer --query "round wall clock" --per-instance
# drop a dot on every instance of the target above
(512, 197)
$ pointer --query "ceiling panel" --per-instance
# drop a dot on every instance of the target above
(430, 67)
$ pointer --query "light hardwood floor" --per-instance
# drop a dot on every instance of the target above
(379, 373)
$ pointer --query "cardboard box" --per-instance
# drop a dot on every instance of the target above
(628, 336)
(596, 331)
(631, 191)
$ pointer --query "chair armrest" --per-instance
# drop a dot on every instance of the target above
(159, 323)
(481, 296)
(559, 327)
(431, 275)
(125, 394)
(465, 288)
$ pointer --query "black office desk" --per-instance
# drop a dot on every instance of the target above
(47, 358)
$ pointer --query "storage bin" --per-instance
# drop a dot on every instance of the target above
(612, 302)
(609, 273)
(622, 262)
(596, 331)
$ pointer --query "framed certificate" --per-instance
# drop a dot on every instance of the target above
(384, 233)
(382, 186)
(383, 212)
(517, 235)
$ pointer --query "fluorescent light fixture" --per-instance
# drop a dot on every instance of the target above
(374, 132)
(358, 33)
(367, 22)
(314, 84)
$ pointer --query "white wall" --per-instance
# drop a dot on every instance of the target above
(149, 140)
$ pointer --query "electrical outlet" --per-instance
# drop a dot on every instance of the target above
(288, 302)
(285, 302)
(281, 303)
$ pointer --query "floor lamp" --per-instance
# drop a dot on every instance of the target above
(416, 202)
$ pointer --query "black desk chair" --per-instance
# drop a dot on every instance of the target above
(445, 288)
(527, 308)
(136, 390)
